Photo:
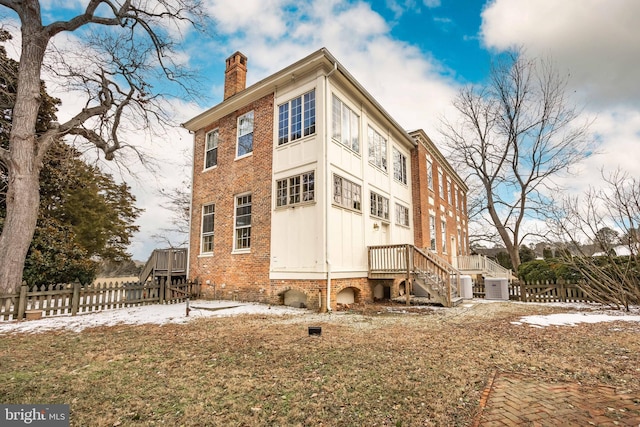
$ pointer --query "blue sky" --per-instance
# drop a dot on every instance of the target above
(412, 56)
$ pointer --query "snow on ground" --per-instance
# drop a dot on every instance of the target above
(176, 313)
(156, 314)
(572, 319)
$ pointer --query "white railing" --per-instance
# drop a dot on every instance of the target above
(484, 265)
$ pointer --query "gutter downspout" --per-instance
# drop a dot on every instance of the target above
(328, 184)
(191, 205)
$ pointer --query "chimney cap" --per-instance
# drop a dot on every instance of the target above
(238, 58)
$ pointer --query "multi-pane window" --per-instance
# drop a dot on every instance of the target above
(443, 235)
(402, 215)
(297, 118)
(346, 193)
(243, 222)
(296, 189)
(432, 232)
(346, 125)
(379, 206)
(245, 134)
(377, 149)
(429, 173)
(208, 213)
(457, 199)
(449, 197)
(399, 166)
(211, 150)
(441, 183)
(459, 242)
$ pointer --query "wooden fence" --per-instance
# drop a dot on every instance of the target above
(72, 299)
(547, 291)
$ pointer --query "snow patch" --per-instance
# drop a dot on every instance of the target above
(148, 314)
(572, 319)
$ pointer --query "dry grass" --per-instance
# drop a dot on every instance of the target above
(369, 367)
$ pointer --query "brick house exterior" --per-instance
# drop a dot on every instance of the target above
(295, 176)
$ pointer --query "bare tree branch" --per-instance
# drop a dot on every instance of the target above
(513, 136)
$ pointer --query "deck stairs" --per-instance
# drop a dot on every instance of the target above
(166, 263)
(433, 279)
(484, 266)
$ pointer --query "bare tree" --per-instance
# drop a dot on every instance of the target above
(178, 202)
(513, 136)
(608, 278)
(130, 44)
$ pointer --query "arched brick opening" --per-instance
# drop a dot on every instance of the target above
(293, 298)
(381, 290)
(348, 295)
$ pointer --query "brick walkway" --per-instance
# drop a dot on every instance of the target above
(518, 400)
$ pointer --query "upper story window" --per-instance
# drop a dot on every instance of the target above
(456, 194)
(379, 206)
(432, 232)
(297, 118)
(402, 215)
(346, 193)
(346, 125)
(296, 189)
(211, 150)
(208, 213)
(441, 183)
(245, 134)
(449, 191)
(429, 173)
(399, 166)
(377, 149)
(243, 223)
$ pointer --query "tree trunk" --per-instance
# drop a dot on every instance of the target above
(20, 223)
(23, 164)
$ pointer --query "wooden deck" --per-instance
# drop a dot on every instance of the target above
(166, 263)
(424, 271)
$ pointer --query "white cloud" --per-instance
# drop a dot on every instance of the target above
(598, 44)
(403, 79)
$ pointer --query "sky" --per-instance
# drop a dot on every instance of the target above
(413, 56)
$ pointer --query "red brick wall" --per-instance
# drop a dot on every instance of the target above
(245, 274)
(421, 205)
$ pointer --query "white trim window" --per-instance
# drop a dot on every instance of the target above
(379, 206)
(443, 235)
(242, 223)
(441, 183)
(429, 173)
(432, 232)
(402, 215)
(346, 125)
(208, 215)
(211, 149)
(245, 135)
(449, 191)
(295, 190)
(377, 149)
(346, 193)
(399, 166)
(297, 118)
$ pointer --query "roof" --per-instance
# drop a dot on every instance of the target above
(319, 58)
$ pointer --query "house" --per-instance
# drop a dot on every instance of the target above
(302, 181)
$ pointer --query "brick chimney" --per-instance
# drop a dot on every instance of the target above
(235, 76)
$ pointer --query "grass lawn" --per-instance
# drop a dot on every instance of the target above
(370, 367)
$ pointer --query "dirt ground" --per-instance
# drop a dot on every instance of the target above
(374, 365)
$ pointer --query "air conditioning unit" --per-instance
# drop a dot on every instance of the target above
(466, 287)
(496, 288)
